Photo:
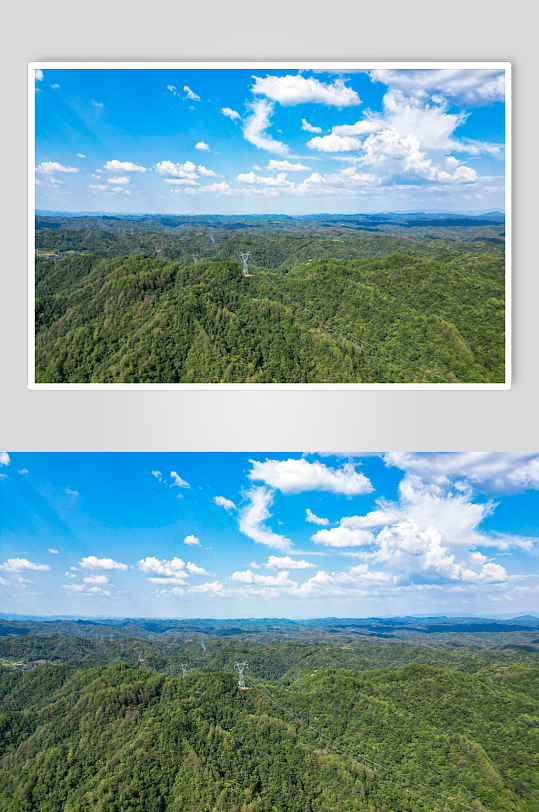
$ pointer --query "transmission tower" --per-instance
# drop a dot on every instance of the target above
(184, 667)
(241, 668)
(140, 658)
(157, 249)
(195, 258)
(245, 257)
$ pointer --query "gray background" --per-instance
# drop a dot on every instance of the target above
(272, 30)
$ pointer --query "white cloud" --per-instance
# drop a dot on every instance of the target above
(201, 145)
(375, 518)
(250, 177)
(54, 552)
(120, 181)
(285, 166)
(407, 549)
(38, 75)
(214, 588)
(19, 564)
(343, 537)
(222, 502)
(157, 475)
(23, 471)
(364, 127)
(96, 104)
(468, 87)
(80, 155)
(255, 126)
(296, 476)
(194, 570)
(190, 95)
(97, 579)
(172, 89)
(71, 575)
(493, 471)
(314, 519)
(4, 458)
(291, 90)
(85, 590)
(309, 128)
(170, 569)
(206, 173)
(50, 167)
(191, 540)
(214, 188)
(178, 579)
(186, 170)
(181, 483)
(226, 111)
(90, 562)
(334, 143)
(123, 166)
(248, 577)
(287, 563)
(181, 182)
(253, 515)
(70, 492)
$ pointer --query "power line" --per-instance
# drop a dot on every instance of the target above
(332, 329)
(360, 755)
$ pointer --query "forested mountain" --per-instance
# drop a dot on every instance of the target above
(432, 314)
(413, 739)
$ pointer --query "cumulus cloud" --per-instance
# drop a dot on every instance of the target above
(248, 577)
(334, 143)
(253, 516)
(50, 167)
(186, 170)
(214, 588)
(296, 476)
(255, 126)
(206, 173)
(195, 570)
(309, 128)
(291, 90)
(468, 87)
(158, 475)
(201, 145)
(285, 166)
(90, 562)
(79, 155)
(166, 569)
(70, 492)
(119, 181)
(38, 75)
(226, 111)
(343, 537)
(375, 518)
(54, 552)
(181, 483)
(192, 540)
(23, 471)
(214, 188)
(190, 95)
(4, 458)
(250, 177)
(20, 564)
(314, 519)
(222, 502)
(96, 104)
(97, 579)
(492, 471)
(287, 563)
(123, 166)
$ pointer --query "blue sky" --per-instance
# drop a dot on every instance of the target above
(254, 140)
(269, 535)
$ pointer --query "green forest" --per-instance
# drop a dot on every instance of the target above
(174, 307)
(375, 726)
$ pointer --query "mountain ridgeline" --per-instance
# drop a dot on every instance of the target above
(173, 307)
(335, 723)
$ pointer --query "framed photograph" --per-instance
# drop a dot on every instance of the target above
(269, 225)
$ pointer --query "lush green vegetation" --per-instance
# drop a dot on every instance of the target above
(146, 319)
(331, 721)
(123, 738)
